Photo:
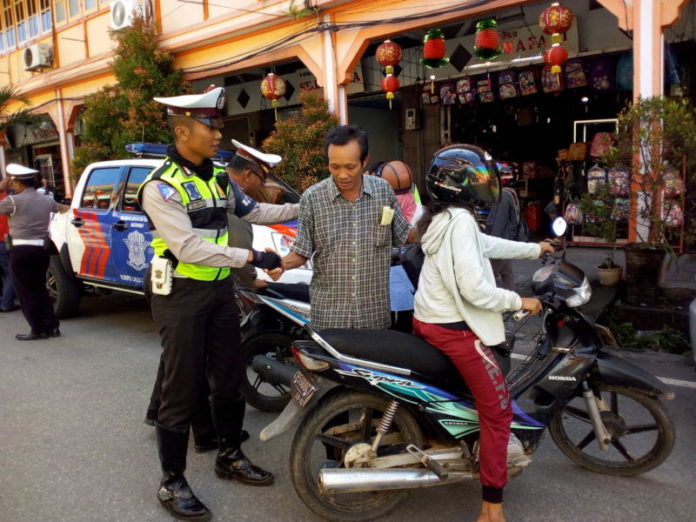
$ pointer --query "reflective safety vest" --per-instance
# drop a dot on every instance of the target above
(206, 205)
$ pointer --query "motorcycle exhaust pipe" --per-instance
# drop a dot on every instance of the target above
(272, 371)
(361, 480)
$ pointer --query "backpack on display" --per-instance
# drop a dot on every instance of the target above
(448, 94)
(601, 75)
(507, 87)
(601, 142)
(527, 81)
(675, 214)
(551, 82)
(620, 211)
(624, 73)
(674, 184)
(465, 91)
(573, 215)
(596, 177)
(618, 180)
(575, 74)
(484, 88)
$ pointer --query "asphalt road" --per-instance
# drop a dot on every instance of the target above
(73, 446)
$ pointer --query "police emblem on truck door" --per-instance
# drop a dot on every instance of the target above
(136, 250)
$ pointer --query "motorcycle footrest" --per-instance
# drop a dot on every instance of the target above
(433, 465)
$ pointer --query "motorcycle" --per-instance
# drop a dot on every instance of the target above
(381, 412)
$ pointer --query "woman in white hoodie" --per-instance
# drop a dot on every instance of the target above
(458, 307)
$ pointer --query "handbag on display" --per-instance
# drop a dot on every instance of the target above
(596, 177)
(572, 214)
(465, 91)
(674, 184)
(551, 82)
(527, 81)
(601, 75)
(507, 87)
(484, 89)
(601, 142)
(619, 178)
(448, 95)
(577, 151)
(575, 74)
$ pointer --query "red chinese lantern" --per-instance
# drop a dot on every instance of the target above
(390, 84)
(556, 20)
(273, 88)
(388, 54)
(555, 57)
(434, 50)
(487, 42)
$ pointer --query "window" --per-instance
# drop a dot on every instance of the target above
(100, 188)
(61, 14)
(74, 7)
(8, 23)
(90, 4)
(136, 176)
(32, 19)
(21, 20)
(45, 14)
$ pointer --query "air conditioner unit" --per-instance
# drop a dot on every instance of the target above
(122, 12)
(38, 56)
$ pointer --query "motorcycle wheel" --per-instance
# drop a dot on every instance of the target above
(642, 435)
(344, 415)
(258, 393)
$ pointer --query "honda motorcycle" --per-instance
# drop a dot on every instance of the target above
(381, 412)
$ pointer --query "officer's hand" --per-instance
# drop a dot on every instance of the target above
(266, 260)
(258, 283)
(545, 246)
(275, 274)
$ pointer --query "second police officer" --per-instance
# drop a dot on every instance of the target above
(187, 201)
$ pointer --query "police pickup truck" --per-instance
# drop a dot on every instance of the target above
(103, 242)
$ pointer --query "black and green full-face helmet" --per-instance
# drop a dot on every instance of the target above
(463, 174)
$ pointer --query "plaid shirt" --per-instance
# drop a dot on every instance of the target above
(352, 253)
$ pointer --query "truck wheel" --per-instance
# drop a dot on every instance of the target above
(64, 290)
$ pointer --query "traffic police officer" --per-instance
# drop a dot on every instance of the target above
(30, 213)
(187, 201)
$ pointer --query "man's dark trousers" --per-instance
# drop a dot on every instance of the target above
(28, 268)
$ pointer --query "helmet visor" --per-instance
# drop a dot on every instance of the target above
(484, 184)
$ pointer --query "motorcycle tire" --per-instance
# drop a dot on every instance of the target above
(309, 454)
(258, 393)
(620, 459)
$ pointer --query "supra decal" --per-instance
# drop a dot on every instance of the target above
(562, 378)
(376, 378)
(136, 250)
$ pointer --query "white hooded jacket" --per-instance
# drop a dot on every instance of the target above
(457, 281)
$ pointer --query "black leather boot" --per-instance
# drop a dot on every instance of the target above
(231, 463)
(174, 493)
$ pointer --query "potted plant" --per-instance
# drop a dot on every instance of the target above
(602, 215)
(655, 137)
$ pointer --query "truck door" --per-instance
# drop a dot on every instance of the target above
(89, 233)
(130, 238)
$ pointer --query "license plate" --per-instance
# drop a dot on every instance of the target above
(302, 389)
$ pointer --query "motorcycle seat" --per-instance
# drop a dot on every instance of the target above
(395, 349)
(296, 291)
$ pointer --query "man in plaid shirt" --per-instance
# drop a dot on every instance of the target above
(347, 225)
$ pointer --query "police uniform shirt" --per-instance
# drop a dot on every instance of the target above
(29, 212)
(169, 216)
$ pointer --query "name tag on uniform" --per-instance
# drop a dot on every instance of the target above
(195, 205)
(387, 216)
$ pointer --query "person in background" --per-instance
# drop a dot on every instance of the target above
(7, 301)
(503, 220)
(30, 213)
(458, 307)
(347, 225)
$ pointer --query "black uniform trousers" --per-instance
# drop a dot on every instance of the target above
(199, 330)
(28, 267)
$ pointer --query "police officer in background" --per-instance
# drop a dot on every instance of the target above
(187, 200)
(30, 213)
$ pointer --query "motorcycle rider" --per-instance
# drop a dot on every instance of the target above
(458, 307)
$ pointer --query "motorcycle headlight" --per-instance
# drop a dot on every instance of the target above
(582, 294)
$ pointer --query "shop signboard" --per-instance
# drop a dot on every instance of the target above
(21, 135)
(519, 45)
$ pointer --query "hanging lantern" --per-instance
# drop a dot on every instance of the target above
(556, 20)
(388, 54)
(434, 51)
(390, 84)
(555, 57)
(487, 42)
(273, 88)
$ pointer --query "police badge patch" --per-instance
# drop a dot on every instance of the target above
(166, 191)
(192, 190)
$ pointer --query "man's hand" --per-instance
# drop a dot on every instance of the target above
(293, 260)
(267, 260)
(258, 283)
(274, 274)
(545, 246)
(532, 304)
(413, 236)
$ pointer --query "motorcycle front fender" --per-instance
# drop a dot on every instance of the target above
(613, 370)
(292, 415)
